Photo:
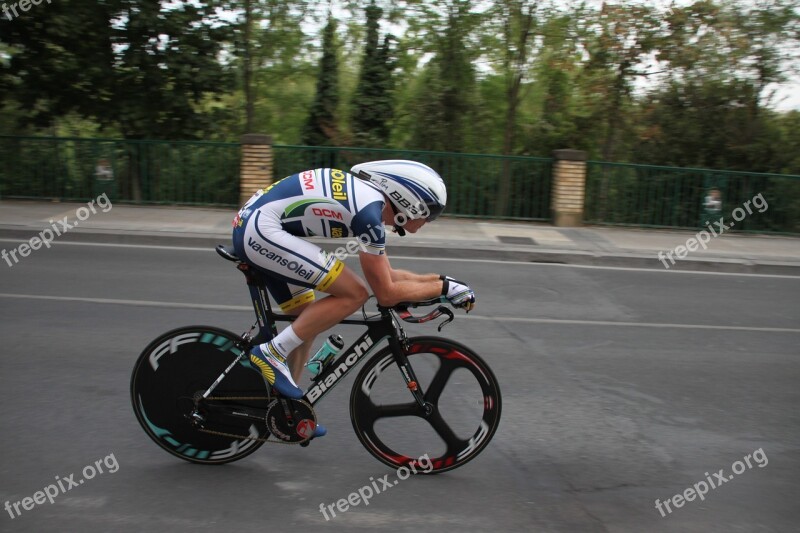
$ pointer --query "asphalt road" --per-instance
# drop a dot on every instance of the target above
(620, 387)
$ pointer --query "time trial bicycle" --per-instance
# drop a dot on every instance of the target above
(196, 394)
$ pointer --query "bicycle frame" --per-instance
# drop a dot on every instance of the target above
(378, 328)
(234, 416)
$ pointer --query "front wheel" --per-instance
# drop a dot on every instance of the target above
(170, 376)
(462, 411)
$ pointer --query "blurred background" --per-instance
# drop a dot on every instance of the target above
(679, 83)
(710, 84)
(623, 381)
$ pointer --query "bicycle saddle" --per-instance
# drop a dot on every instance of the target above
(227, 252)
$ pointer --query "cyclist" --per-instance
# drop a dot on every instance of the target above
(332, 203)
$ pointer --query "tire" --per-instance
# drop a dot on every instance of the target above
(476, 399)
(180, 364)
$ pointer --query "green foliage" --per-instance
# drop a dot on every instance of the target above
(143, 171)
(443, 105)
(321, 128)
(710, 112)
(372, 106)
(268, 46)
(709, 125)
(137, 65)
(688, 84)
(788, 146)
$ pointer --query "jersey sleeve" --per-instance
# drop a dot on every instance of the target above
(367, 226)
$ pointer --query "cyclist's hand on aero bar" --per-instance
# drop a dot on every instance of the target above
(457, 293)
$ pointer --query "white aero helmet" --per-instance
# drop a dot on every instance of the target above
(416, 190)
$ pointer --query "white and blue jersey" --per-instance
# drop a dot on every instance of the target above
(323, 202)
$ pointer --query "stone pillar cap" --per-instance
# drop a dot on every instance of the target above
(255, 138)
(569, 155)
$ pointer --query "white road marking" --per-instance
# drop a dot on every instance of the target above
(631, 324)
(138, 303)
(597, 267)
(557, 321)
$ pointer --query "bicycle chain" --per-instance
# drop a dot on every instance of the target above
(258, 439)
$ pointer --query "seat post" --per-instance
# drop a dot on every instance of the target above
(261, 304)
(257, 284)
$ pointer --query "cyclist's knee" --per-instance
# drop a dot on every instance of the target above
(351, 289)
(295, 311)
(358, 293)
(362, 298)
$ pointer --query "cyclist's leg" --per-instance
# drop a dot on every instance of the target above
(298, 262)
(346, 295)
(298, 358)
(265, 244)
(320, 315)
(293, 300)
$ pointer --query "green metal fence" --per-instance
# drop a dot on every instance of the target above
(668, 197)
(485, 186)
(151, 172)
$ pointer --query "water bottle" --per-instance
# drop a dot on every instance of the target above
(325, 354)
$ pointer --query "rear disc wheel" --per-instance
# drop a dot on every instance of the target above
(174, 371)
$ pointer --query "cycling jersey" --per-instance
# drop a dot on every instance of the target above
(324, 203)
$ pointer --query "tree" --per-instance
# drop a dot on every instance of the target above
(269, 35)
(560, 104)
(321, 127)
(720, 59)
(789, 145)
(515, 22)
(167, 64)
(443, 106)
(619, 41)
(372, 108)
(141, 65)
(519, 23)
(68, 41)
(247, 67)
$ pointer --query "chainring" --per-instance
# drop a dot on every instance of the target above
(291, 421)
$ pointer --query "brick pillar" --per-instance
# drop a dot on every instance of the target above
(569, 187)
(256, 165)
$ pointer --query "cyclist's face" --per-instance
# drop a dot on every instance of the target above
(413, 225)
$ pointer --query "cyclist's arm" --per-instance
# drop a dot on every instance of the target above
(391, 290)
(405, 275)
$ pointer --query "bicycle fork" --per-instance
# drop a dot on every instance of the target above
(409, 376)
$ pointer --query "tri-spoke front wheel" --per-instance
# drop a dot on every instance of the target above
(460, 417)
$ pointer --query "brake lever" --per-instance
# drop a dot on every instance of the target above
(450, 316)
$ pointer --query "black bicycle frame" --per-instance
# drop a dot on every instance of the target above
(378, 329)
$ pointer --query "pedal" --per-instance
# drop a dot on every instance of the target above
(197, 419)
(291, 421)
